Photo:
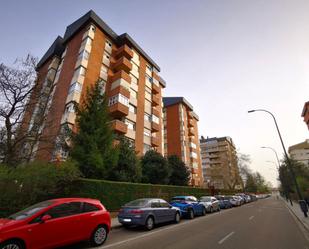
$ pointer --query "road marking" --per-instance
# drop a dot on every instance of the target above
(226, 237)
(164, 229)
(251, 217)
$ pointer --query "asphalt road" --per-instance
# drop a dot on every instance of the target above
(265, 224)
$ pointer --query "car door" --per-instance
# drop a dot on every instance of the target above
(157, 211)
(168, 213)
(63, 227)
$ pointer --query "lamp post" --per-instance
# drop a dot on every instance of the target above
(287, 157)
(265, 147)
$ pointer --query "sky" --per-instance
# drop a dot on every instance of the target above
(224, 56)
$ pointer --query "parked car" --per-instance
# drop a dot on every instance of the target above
(189, 206)
(240, 198)
(56, 223)
(223, 202)
(148, 212)
(211, 203)
(253, 197)
(234, 201)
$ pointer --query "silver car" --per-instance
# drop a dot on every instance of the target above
(147, 212)
(211, 203)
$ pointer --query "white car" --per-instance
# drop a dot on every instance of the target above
(211, 203)
(234, 201)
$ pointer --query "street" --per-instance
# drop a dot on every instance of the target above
(265, 224)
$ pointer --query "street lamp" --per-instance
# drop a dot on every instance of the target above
(265, 147)
(285, 153)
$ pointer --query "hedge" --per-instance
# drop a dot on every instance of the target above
(115, 194)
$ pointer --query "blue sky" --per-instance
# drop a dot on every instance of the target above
(225, 57)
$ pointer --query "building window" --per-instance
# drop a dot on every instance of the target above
(132, 108)
(83, 55)
(134, 80)
(118, 98)
(146, 148)
(148, 78)
(147, 117)
(70, 108)
(149, 67)
(133, 93)
(147, 132)
(131, 125)
(155, 119)
(108, 43)
(75, 87)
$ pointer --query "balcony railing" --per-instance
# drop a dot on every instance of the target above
(119, 126)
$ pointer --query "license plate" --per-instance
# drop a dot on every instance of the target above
(127, 220)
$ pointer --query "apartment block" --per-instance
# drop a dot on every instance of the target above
(219, 163)
(300, 152)
(90, 51)
(181, 135)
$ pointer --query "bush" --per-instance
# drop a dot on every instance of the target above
(115, 194)
(34, 182)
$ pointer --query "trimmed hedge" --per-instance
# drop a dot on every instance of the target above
(115, 194)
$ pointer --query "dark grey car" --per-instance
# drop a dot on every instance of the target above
(148, 212)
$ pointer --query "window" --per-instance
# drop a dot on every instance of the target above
(104, 72)
(86, 41)
(132, 108)
(134, 67)
(146, 148)
(89, 207)
(80, 71)
(91, 27)
(134, 80)
(118, 98)
(65, 209)
(70, 107)
(75, 87)
(164, 204)
(147, 117)
(149, 67)
(108, 43)
(106, 58)
(133, 93)
(148, 78)
(155, 119)
(147, 132)
(131, 125)
(84, 55)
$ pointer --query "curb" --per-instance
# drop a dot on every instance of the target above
(297, 217)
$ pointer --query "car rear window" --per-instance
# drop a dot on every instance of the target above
(137, 203)
(88, 207)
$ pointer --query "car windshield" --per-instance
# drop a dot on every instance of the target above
(137, 203)
(207, 199)
(24, 214)
(178, 199)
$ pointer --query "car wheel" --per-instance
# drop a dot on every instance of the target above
(191, 214)
(177, 217)
(149, 223)
(99, 236)
(204, 211)
(13, 244)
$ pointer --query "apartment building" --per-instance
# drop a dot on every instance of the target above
(219, 163)
(90, 51)
(305, 113)
(181, 135)
(300, 152)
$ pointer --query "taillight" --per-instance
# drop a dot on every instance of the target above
(136, 211)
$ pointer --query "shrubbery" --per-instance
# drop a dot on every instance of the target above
(34, 182)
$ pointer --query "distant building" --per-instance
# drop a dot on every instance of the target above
(181, 135)
(305, 113)
(300, 152)
(219, 163)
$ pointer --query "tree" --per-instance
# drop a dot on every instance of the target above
(93, 142)
(179, 172)
(128, 168)
(16, 86)
(155, 168)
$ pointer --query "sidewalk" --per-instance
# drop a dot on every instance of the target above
(295, 209)
(115, 224)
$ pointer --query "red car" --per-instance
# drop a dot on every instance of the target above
(55, 223)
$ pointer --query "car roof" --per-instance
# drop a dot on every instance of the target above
(75, 199)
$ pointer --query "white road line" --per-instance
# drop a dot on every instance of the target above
(161, 230)
(226, 237)
(251, 217)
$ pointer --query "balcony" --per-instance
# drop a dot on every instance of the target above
(155, 100)
(121, 75)
(120, 90)
(122, 64)
(118, 110)
(155, 142)
(155, 127)
(119, 126)
(155, 112)
(124, 51)
(155, 88)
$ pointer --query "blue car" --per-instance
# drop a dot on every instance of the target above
(189, 206)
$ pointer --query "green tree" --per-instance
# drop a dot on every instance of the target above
(179, 172)
(93, 142)
(155, 168)
(128, 168)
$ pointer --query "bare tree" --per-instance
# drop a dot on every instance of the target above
(16, 86)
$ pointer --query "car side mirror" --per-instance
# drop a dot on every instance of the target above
(45, 217)
(170, 206)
